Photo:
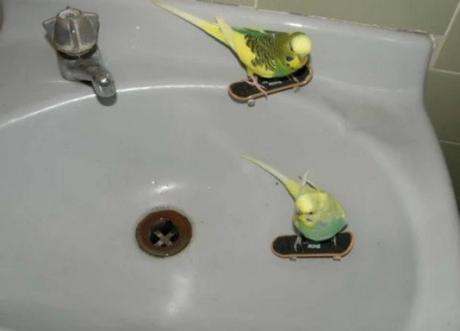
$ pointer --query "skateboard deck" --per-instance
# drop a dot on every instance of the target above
(242, 91)
(283, 246)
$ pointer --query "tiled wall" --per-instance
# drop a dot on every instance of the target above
(438, 17)
(442, 96)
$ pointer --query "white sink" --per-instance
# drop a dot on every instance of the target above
(78, 176)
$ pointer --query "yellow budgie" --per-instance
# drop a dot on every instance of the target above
(317, 215)
(267, 54)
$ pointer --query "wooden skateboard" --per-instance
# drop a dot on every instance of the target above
(242, 91)
(336, 248)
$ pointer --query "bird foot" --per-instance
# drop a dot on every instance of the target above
(297, 82)
(297, 243)
(254, 81)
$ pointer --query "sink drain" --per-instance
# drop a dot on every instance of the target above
(163, 233)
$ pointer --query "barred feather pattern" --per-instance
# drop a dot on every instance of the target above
(263, 47)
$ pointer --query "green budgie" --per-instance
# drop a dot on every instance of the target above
(318, 215)
(268, 54)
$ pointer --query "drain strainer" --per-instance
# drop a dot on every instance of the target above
(163, 233)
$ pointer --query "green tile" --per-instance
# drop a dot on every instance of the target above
(442, 101)
(427, 15)
(449, 57)
(452, 155)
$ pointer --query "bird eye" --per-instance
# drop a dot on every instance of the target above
(289, 58)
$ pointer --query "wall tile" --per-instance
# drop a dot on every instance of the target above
(427, 15)
(449, 56)
(452, 154)
(249, 3)
(442, 100)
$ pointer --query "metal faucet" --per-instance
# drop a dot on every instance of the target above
(73, 34)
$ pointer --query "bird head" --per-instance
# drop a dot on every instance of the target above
(300, 44)
(314, 207)
(297, 50)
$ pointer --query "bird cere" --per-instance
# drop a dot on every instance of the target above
(267, 55)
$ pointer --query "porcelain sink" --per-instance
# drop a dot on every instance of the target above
(77, 176)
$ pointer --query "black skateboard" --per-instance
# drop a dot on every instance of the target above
(336, 248)
(242, 91)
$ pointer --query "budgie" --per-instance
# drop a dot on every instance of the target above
(267, 54)
(317, 215)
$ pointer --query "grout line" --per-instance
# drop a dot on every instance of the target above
(450, 142)
(439, 50)
(452, 20)
(445, 71)
(437, 42)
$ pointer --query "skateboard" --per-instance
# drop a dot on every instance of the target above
(336, 248)
(242, 91)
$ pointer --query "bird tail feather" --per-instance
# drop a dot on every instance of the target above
(208, 27)
(293, 187)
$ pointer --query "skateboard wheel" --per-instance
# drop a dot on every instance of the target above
(251, 102)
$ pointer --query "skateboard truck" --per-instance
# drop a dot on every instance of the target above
(243, 91)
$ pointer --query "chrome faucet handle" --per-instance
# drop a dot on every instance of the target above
(74, 34)
(72, 31)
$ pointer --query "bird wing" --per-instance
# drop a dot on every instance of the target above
(208, 27)
(262, 45)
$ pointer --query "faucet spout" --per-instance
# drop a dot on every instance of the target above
(102, 81)
(89, 68)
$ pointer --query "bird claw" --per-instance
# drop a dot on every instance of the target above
(253, 80)
(297, 82)
(297, 243)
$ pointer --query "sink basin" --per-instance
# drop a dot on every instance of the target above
(77, 176)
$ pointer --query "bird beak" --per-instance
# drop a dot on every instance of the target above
(304, 57)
